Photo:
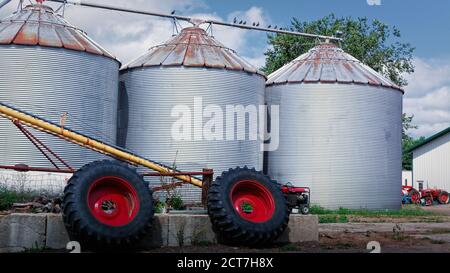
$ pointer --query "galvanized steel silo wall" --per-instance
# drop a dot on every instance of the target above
(343, 141)
(49, 67)
(48, 82)
(153, 92)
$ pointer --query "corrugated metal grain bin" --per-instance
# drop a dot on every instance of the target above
(340, 130)
(49, 67)
(190, 65)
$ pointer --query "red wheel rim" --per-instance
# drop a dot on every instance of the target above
(113, 201)
(414, 197)
(252, 201)
(444, 198)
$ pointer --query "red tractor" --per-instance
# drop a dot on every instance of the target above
(410, 195)
(430, 195)
(425, 197)
(297, 197)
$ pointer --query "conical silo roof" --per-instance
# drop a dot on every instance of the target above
(327, 63)
(193, 47)
(39, 25)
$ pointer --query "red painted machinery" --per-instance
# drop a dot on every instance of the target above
(298, 197)
(431, 195)
(108, 204)
(411, 195)
(425, 197)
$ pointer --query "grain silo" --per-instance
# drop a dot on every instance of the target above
(340, 130)
(192, 66)
(49, 68)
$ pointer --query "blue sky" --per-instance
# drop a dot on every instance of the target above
(422, 24)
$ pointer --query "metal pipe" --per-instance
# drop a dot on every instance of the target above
(23, 168)
(4, 2)
(109, 7)
(308, 35)
(44, 126)
(176, 173)
(195, 21)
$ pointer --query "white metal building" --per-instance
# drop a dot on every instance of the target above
(407, 178)
(431, 162)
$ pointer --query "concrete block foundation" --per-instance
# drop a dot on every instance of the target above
(19, 232)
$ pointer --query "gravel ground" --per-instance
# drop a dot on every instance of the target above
(352, 238)
(441, 209)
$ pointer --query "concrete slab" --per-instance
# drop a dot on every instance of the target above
(56, 233)
(444, 238)
(158, 236)
(184, 230)
(301, 228)
(19, 232)
(26, 231)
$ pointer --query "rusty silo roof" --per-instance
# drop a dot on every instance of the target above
(327, 63)
(39, 25)
(193, 47)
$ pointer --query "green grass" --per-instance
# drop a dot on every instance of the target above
(344, 246)
(8, 197)
(159, 206)
(408, 211)
(333, 219)
(35, 249)
(289, 247)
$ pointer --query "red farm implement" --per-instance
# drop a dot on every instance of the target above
(107, 203)
(426, 197)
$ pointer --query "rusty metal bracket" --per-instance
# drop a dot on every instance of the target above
(207, 180)
(44, 149)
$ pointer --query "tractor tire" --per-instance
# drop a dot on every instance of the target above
(415, 196)
(247, 208)
(304, 210)
(427, 201)
(443, 198)
(107, 204)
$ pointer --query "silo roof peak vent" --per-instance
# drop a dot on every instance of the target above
(327, 63)
(193, 47)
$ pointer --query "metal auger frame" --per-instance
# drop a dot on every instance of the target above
(20, 118)
(107, 203)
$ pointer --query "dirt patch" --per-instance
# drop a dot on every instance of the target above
(389, 242)
(441, 209)
(342, 243)
(352, 238)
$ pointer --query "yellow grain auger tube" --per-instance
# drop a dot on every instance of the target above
(107, 203)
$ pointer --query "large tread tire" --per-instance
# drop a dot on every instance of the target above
(441, 198)
(415, 196)
(83, 226)
(230, 226)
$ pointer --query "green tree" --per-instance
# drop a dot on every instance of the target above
(407, 157)
(407, 125)
(373, 42)
(408, 142)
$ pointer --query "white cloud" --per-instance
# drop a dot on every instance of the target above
(429, 74)
(258, 61)
(427, 96)
(129, 35)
